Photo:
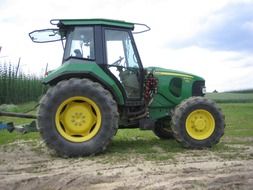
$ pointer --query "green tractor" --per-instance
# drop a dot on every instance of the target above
(102, 86)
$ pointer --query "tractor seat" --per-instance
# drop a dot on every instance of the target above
(78, 53)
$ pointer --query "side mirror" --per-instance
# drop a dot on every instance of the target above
(46, 35)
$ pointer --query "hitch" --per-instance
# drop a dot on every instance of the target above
(21, 115)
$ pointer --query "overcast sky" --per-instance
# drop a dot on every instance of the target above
(210, 38)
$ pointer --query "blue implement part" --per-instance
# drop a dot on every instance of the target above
(3, 126)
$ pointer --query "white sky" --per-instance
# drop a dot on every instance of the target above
(210, 38)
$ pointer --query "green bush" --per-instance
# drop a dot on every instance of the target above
(18, 88)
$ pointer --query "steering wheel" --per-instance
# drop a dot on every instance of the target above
(117, 62)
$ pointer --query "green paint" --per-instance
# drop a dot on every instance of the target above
(84, 67)
(108, 22)
(164, 100)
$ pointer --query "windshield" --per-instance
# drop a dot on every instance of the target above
(46, 35)
(80, 43)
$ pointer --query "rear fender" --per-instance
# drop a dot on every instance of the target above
(85, 70)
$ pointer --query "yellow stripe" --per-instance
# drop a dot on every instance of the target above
(173, 74)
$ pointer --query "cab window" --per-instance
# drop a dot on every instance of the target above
(122, 61)
(80, 43)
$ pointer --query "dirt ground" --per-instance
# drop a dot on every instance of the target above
(24, 166)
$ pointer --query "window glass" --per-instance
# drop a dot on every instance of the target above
(119, 49)
(47, 35)
(122, 62)
(81, 44)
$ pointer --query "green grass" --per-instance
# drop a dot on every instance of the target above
(142, 143)
(238, 110)
(239, 119)
(6, 137)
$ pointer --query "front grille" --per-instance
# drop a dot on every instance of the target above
(197, 88)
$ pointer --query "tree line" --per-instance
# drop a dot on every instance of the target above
(17, 87)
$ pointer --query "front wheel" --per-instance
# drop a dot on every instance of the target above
(198, 123)
(77, 117)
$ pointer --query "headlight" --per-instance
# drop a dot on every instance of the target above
(204, 90)
(198, 88)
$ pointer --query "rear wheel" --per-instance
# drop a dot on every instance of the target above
(197, 123)
(77, 117)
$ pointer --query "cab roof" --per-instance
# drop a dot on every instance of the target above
(97, 21)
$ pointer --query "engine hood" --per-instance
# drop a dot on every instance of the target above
(158, 71)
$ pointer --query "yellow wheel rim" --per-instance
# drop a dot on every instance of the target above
(200, 124)
(78, 119)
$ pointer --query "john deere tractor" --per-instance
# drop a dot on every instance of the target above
(102, 86)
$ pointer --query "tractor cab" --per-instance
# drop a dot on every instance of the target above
(107, 43)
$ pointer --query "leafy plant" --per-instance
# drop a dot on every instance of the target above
(16, 88)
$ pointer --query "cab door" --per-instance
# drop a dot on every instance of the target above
(123, 61)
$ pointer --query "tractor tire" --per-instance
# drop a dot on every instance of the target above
(77, 117)
(198, 123)
(163, 130)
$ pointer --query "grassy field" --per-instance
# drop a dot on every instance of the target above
(228, 97)
(239, 128)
